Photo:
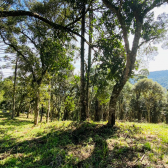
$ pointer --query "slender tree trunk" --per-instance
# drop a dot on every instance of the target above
(105, 114)
(48, 111)
(82, 87)
(41, 117)
(14, 90)
(98, 111)
(121, 111)
(29, 111)
(138, 107)
(36, 111)
(19, 110)
(89, 60)
(148, 110)
(167, 118)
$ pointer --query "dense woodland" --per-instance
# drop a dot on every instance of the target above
(42, 39)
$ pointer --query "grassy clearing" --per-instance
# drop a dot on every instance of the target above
(89, 144)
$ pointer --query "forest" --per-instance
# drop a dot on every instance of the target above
(53, 116)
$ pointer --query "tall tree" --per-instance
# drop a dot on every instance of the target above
(82, 89)
(89, 59)
(134, 16)
(14, 88)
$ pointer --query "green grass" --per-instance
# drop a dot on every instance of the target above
(88, 144)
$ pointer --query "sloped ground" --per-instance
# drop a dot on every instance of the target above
(89, 144)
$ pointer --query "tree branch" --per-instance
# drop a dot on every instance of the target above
(36, 15)
(153, 6)
(146, 41)
(79, 18)
(121, 19)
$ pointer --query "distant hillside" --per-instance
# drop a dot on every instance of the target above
(160, 76)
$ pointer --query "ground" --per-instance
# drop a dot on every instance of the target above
(88, 144)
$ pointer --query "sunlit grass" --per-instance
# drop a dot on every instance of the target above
(88, 144)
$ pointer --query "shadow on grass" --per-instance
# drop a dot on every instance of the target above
(63, 148)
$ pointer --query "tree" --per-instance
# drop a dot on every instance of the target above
(48, 53)
(124, 100)
(134, 16)
(6, 87)
(14, 88)
(82, 76)
(153, 93)
(89, 59)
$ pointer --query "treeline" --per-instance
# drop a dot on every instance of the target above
(145, 101)
(38, 38)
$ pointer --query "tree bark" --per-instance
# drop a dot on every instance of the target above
(89, 60)
(48, 111)
(82, 87)
(14, 90)
(36, 111)
(138, 107)
(29, 111)
(41, 117)
(148, 111)
(98, 112)
(112, 110)
(167, 118)
(121, 111)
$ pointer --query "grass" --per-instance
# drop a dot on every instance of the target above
(89, 144)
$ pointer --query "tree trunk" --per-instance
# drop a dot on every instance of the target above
(167, 118)
(112, 110)
(19, 109)
(82, 87)
(29, 111)
(138, 107)
(105, 114)
(14, 90)
(148, 113)
(18, 112)
(113, 99)
(41, 117)
(121, 111)
(155, 115)
(89, 60)
(36, 111)
(48, 111)
(98, 113)
(65, 117)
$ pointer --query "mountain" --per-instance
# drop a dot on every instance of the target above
(160, 76)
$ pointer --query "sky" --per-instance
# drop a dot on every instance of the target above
(158, 63)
